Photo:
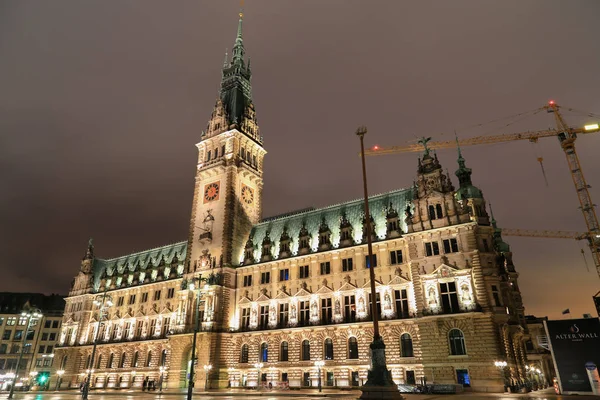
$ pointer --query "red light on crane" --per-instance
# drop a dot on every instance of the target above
(551, 102)
(376, 147)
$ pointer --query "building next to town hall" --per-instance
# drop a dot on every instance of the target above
(290, 290)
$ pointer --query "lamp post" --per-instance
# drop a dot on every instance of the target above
(379, 379)
(258, 366)
(195, 285)
(60, 373)
(501, 365)
(133, 373)
(102, 302)
(207, 369)
(319, 364)
(162, 370)
(31, 315)
(32, 376)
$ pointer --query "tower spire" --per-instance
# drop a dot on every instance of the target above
(238, 48)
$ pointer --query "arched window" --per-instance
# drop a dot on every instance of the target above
(352, 348)
(283, 351)
(208, 156)
(305, 350)
(63, 363)
(217, 152)
(111, 357)
(149, 359)
(123, 358)
(328, 349)
(264, 353)
(136, 357)
(244, 354)
(163, 358)
(457, 342)
(438, 210)
(406, 346)
(99, 361)
(87, 361)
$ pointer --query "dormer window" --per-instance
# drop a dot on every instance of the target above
(324, 236)
(303, 241)
(266, 249)
(435, 212)
(249, 252)
(284, 244)
(373, 237)
(346, 238)
(217, 126)
(392, 223)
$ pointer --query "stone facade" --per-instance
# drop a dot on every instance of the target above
(289, 290)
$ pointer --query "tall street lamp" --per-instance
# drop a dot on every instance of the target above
(60, 373)
(258, 366)
(379, 380)
(195, 285)
(319, 364)
(32, 314)
(207, 369)
(103, 302)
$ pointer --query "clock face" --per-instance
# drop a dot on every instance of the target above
(211, 192)
(247, 195)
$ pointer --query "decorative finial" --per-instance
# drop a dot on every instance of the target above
(457, 144)
(423, 141)
(225, 63)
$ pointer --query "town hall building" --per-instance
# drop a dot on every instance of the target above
(272, 296)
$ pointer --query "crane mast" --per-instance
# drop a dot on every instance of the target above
(567, 137)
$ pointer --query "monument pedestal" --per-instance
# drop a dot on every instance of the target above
(380, 384)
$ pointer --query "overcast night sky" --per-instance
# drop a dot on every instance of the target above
(101, 103)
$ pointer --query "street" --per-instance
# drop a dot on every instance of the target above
(296, 394)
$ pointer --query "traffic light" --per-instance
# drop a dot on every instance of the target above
(42, 378)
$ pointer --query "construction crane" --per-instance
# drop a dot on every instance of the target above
(566, 137)
(544, 234)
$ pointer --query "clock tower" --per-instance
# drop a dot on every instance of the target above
(228, 186)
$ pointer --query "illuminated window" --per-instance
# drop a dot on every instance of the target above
(263, 356)
(284, 274)
(367, 262)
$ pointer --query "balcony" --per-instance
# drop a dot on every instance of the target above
(325, 322)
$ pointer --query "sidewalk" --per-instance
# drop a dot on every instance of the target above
(232, 392)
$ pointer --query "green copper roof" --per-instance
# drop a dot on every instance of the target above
(312, 218)
(140, 261)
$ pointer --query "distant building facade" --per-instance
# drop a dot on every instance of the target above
(538, 352)
(289, 290)
(40, 340)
